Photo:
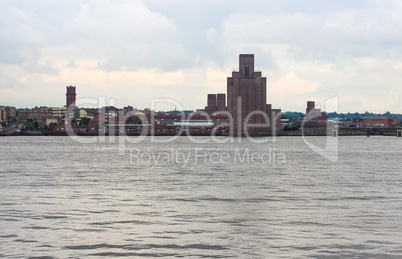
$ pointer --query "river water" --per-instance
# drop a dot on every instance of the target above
(60, 198)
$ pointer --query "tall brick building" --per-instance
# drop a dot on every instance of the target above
(247, 94)
(70, 97)
(70, 102)
(314, 119)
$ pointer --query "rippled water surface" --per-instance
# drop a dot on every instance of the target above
(64, 199)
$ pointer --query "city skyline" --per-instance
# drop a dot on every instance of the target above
(133, 51)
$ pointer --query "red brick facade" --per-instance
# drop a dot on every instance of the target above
(70, 97)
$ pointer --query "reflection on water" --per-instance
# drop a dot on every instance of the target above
(60, 198)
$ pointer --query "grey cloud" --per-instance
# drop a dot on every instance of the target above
(348, 33)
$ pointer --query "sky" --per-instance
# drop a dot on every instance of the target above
(132, 51)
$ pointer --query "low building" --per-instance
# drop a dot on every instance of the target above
(11, 111)
(160, 123)
(196, 122)
(63, 128)
(3, 114)
(59, 112)
(88, 113)
(286, 123)
(380, 122)
(83, 113)
(39, 114)
(129, 109)
(110, 113)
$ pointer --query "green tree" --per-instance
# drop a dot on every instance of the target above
(31, 124)
(133, 120)
(52, 125)
(85, 121)
(12, 119)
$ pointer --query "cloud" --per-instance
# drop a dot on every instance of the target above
(120, 33)
(321, 36)
(382, 102)
(135, 50)
(291, 83)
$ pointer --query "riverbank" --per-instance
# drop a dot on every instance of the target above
(340, 132)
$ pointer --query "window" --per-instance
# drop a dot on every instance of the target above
(247, 71)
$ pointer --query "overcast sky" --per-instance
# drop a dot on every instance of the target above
(133, 51)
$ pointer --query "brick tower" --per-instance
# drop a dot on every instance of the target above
(247, 93)
(71, 97)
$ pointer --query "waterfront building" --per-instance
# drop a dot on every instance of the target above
(215, 103)
(39, 114)
(379, 122)
(3, 114)
(128, 109)
(314, 119)
(104, 116)
(83, 113)
(110, 113)
(91, 113)
(11, 111)
(59, 112)
(247, 99)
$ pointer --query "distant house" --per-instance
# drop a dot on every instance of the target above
(83, 113)
(89, 113)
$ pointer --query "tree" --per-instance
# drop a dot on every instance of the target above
(294, 127)
(12, 119)
(133, 120)
(85, 121)
(31, 124)
(52, 125)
